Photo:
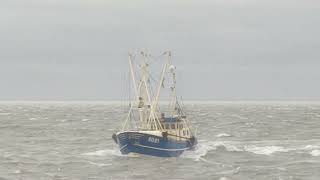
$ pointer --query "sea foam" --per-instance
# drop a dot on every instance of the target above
(106, 152)
(260, 148)
(265, 150)
(223, 135)
(315, 152)
(99, 164)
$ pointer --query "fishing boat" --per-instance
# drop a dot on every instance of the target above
(154, 127)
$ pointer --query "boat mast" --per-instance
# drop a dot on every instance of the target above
(173, 101)
(155, 102)
(144, 93)
(133, 76)
(147, 104)
(132, 70)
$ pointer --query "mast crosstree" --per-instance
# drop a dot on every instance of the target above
(146, 100)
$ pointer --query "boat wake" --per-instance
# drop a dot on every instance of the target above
(109, 153)
(267, 148)
(105, 152)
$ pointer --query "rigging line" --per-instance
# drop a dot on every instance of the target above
(152, 59)
(151, 76)
(133, 123)
(129, 88)
(134, 119)
(139, 66)
(188, 123)
(124, 91)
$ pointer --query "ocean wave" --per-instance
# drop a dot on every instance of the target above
(204, 147)
(224, 178)
(260, 148)
(315, 152)
(99, 164)
(200, 151)
(228, 172)
(223, 135)
(265, 150)
(18, 171)
(226, 145)
(311, 147)
(4, 114)
(203, 114)
(239, 117)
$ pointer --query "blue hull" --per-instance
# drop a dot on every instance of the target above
(135, 142)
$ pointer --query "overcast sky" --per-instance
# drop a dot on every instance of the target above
(223, 49)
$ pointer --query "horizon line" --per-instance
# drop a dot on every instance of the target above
(284, 102)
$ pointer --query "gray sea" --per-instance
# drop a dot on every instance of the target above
(236, 141)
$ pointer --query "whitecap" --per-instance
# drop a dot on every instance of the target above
(317, 115)
(311, 147)
(99, 164)
(18, 171)
(266, 150)
(223, 178)
(203, 114)
(249, 124)
(228, 146)
(204, 147)
(223, 135)
(32, 119)
(105, 152)
(239, 117)
(200, 151)
(315, 152)
(62, 120)
(83, 120)
(233, 171)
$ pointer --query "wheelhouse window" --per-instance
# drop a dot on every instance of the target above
(173, 126)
